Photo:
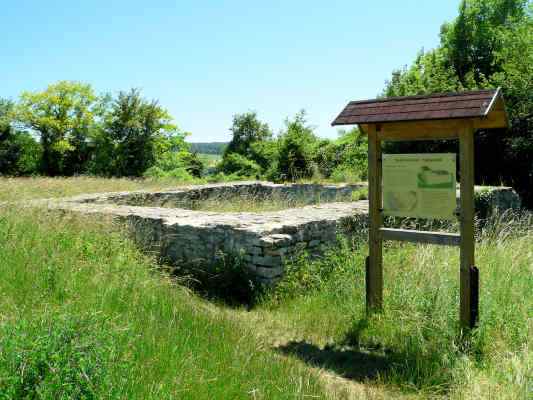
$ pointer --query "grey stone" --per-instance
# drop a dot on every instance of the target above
(269, 272)
(268, 261)
(264, 240)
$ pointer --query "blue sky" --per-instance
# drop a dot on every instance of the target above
(207, 60)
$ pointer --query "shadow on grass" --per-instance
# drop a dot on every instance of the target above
(358, 365)
(417, 367)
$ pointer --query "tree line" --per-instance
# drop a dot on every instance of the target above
(489, 44)
(295, 153)
(68, 130)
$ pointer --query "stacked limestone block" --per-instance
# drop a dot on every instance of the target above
(263, 241)
(198, 239)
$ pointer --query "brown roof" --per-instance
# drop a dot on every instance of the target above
(472, 104)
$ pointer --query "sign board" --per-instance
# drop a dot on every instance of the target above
(419, 185)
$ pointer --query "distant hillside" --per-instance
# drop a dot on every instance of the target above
(209, 147)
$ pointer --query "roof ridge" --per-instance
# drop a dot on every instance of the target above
(424, 96)
(466, 104)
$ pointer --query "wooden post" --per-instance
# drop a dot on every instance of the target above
(374, 279)
(466, 165)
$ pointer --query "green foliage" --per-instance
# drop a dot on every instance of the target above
(327, 157)
(134, 126)
(173, 159)
(472, 42)
(249, 151)
(489, 44)
(77, 295)
(19, 152)
(297, 153)
(263, 153)
(80, 132)
(354, 153)
(64, 116)
(237, 164)
(193, 164)
(57, 357)
(427, 74)
(304, 276)
(296, 150)
(246, 129)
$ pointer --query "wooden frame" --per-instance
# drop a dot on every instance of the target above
(433, 117)
(469, 284)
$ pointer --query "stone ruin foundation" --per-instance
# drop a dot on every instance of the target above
(163, 222)
(170, 224)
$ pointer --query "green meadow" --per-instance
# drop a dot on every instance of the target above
(85, 315)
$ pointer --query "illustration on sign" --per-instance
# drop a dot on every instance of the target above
(419, 185)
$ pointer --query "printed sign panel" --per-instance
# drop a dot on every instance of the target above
(419, 185)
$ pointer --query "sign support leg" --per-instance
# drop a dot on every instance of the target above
(374, 270)
(468, 272)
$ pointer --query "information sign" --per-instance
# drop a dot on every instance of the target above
(419, 185)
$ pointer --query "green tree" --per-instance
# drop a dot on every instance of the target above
(193, 164)
(473, 40)
(174, 158)
(428, 74)
(9, 151)
(249, 135)
(19, 151)
(263, 153)
(63, 116)
(296, 150)
(134, 128)
(489, 44)
(247, 129)
(236, 164)
(354, 153)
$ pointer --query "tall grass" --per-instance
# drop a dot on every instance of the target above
(84, 315)
(415, 344)
(146, 337)
(16, 189)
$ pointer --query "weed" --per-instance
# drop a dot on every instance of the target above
(57, 357)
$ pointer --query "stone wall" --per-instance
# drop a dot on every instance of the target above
(264, 241)
(186, 197)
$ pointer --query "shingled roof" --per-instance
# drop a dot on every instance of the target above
(473, 104)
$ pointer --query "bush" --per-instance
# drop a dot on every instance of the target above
(344, 173)
(303, 275)
(20, 153)
(234, 163)
(263, 153)
(327, 157)
(192, 163)
(58, 357)
(297, 147)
